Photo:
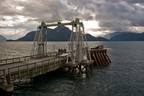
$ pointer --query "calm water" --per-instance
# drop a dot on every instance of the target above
(124, 77)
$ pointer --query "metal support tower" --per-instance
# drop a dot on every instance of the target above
(40, 41)
(78, 43)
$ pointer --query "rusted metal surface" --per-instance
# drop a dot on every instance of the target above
(100, 57)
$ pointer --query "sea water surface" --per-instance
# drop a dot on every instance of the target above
(123, 77)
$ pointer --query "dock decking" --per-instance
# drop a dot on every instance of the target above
(24, 68)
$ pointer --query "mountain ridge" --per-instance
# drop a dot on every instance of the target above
(60, 33)
(127, 36)
(2, 38)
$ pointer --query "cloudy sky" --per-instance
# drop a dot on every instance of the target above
(17, 17)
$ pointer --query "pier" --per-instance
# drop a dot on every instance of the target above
(77, 60)
(23, 69)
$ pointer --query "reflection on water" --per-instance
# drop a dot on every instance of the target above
(124, 77)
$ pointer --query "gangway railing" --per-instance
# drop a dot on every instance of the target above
(24, 58)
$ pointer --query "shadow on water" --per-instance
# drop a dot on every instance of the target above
(58, 83)
(51, 84)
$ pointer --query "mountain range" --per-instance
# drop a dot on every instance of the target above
(127, 36)
(60, 33)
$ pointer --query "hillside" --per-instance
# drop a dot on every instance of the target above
(60, 33)
(2, 38)
(128, 36)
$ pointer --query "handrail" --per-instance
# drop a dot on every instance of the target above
(34, 62)
(23, 58)
(35, 65)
